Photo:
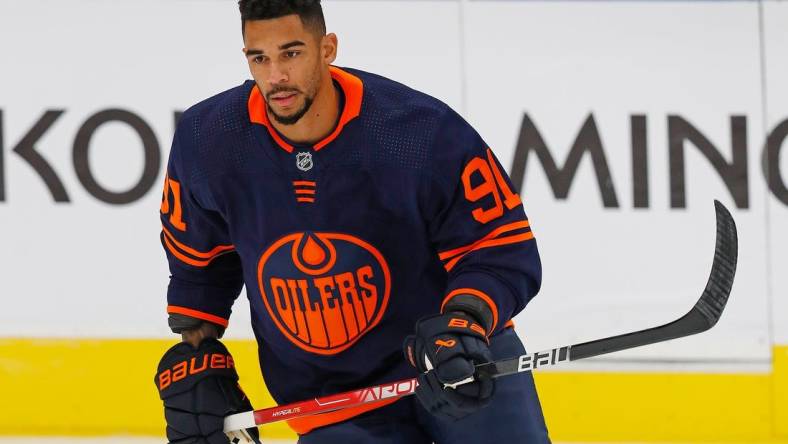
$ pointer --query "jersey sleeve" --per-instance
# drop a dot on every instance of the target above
(479, 228)
(205, 270)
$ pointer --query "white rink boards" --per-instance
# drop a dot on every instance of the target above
(611, 267)
(607, 270)
(776, 15)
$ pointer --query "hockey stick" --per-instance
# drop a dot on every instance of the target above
(701, 317)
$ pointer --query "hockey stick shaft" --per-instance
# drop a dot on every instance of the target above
(398, 389)
(701, 317)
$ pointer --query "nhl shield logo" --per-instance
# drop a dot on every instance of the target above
(304, 161)
(323, 291)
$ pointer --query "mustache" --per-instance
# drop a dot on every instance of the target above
(281, 89)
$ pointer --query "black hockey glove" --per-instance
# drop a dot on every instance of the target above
(445, 349)
(199, 388)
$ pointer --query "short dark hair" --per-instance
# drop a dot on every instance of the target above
(309, 11)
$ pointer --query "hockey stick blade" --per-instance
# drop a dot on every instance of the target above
(703, 316)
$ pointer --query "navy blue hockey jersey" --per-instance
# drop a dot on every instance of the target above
(344, 244)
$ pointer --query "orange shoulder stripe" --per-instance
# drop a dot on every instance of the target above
(306, 424)
(496, 232)
(198, 314)
(203, 255)
(479, 294)
(491, 243)
(176, 248)
(182, 257)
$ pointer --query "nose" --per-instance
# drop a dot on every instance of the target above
(277, 75)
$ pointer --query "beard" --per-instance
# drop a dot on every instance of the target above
(291, 119)
(312, 85)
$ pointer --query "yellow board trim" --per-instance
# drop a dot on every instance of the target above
(780, 391)
(88, 387)
(656, 407)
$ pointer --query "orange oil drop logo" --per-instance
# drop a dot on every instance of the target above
(312, 253)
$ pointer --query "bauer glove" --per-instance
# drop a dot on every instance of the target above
(445, 350)
(199, 388)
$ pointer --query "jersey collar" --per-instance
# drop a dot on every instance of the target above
(352, 87)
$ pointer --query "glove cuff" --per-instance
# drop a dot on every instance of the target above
(473, 306)
(180, 322)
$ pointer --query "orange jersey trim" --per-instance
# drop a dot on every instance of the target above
(207, 255)
(304, 183)
(354, 93)
(182, 257)
(479, 294)
(491, 243)
(494, 238)
(259, 114)
(198, 314)
(305, 191)
(306, 424)
(509, 324)
(352, 87)
(306, 199)
(177, 249)
(496, 232)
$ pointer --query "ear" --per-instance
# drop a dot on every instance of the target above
(328, 48)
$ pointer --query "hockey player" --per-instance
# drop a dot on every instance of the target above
(361, 215)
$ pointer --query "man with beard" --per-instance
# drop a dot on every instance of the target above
(361, 215)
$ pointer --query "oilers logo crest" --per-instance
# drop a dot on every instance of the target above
(324, 291)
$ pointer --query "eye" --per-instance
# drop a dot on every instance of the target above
(291, 54)
(258, 59)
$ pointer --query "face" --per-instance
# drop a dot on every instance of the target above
(289, 63)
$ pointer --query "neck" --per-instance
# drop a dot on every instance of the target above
(319, 121)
